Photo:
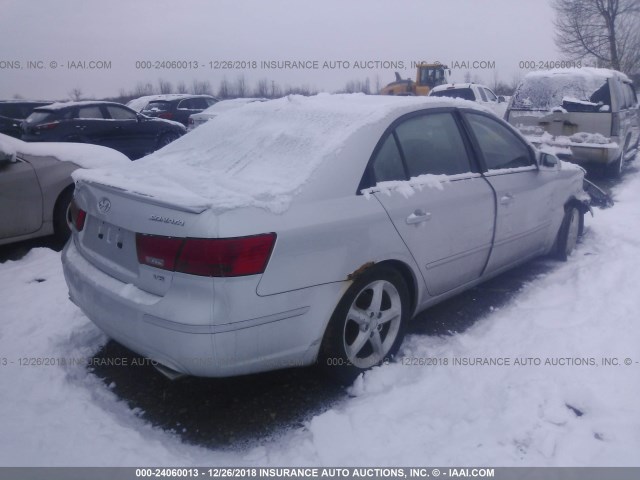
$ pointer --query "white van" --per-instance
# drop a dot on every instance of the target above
(586, 115)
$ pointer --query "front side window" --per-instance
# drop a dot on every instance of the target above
(118, 113)
(432, 144)
(482, 94)
(92, 111)
(500, 147)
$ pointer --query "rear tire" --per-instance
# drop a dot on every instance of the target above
(571, 228)
(61, 228)
(614, 169)
(166, 138)
(368, 325)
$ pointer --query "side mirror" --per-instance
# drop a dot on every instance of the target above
(501, 99)
(140, 117)
(548, 160)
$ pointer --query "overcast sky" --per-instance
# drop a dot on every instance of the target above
(122, 32)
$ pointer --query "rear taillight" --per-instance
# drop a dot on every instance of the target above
(45, 126)
(615, 124)
(159, 252)
(210, 257)
(76, 216)
(166, 115)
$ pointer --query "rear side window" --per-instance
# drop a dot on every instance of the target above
(464, 93)
(432, 144)
(90, 112)
(490, 95)
(387, 164)
(500, 147)
(157, 107)
(629, 95)
(193, 104)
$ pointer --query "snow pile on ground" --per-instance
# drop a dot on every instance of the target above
(259, 155)
(83, 155)
(574, 411)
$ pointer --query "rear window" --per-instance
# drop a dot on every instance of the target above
(574, 93)
(42, 116)
(464, 93)
(157, 106)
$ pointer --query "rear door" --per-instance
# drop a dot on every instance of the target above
(20, 199)
(445, 213)
(524, 193)
(129, 135)
(89, 126)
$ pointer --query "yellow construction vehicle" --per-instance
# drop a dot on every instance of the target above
(429, 75)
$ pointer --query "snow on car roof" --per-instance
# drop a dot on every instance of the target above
(447, 86)
(82, 154)
(586, 73)
(261, 155)
(224, 105)
(138, 104)
(61, 105)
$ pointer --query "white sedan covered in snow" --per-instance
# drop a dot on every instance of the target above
(36, 185)
(307, 230)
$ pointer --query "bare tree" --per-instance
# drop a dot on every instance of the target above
(181, 87)
(224, 89)
(240, 86)
(606, 30)
(262, 88)
(75, 94)
(357, 86)
(276, 91)
(143, 89)
(201, 87)
(164, 86)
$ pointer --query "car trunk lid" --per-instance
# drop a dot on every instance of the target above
(115, 217)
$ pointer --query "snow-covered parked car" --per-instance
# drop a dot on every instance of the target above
(36, 185)
(473, 92)
(198, 119)
(587, 115)
(307, 230)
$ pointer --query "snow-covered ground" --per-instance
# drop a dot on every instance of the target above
(546, 415)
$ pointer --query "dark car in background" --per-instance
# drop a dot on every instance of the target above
(175, 107)
(13, 112)
(100, 123)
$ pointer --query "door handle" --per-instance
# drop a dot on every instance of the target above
(506, 199)
(418, 216)
(80, 127)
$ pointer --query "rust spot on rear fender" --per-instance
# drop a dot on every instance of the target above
(358, 271)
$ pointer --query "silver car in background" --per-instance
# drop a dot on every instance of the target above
(222, 106)
(586, 115)
(36, 185)
(306, 230)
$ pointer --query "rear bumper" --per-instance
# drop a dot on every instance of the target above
(581, 153)
(283, 331)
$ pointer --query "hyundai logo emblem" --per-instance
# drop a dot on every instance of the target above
(104, 205)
